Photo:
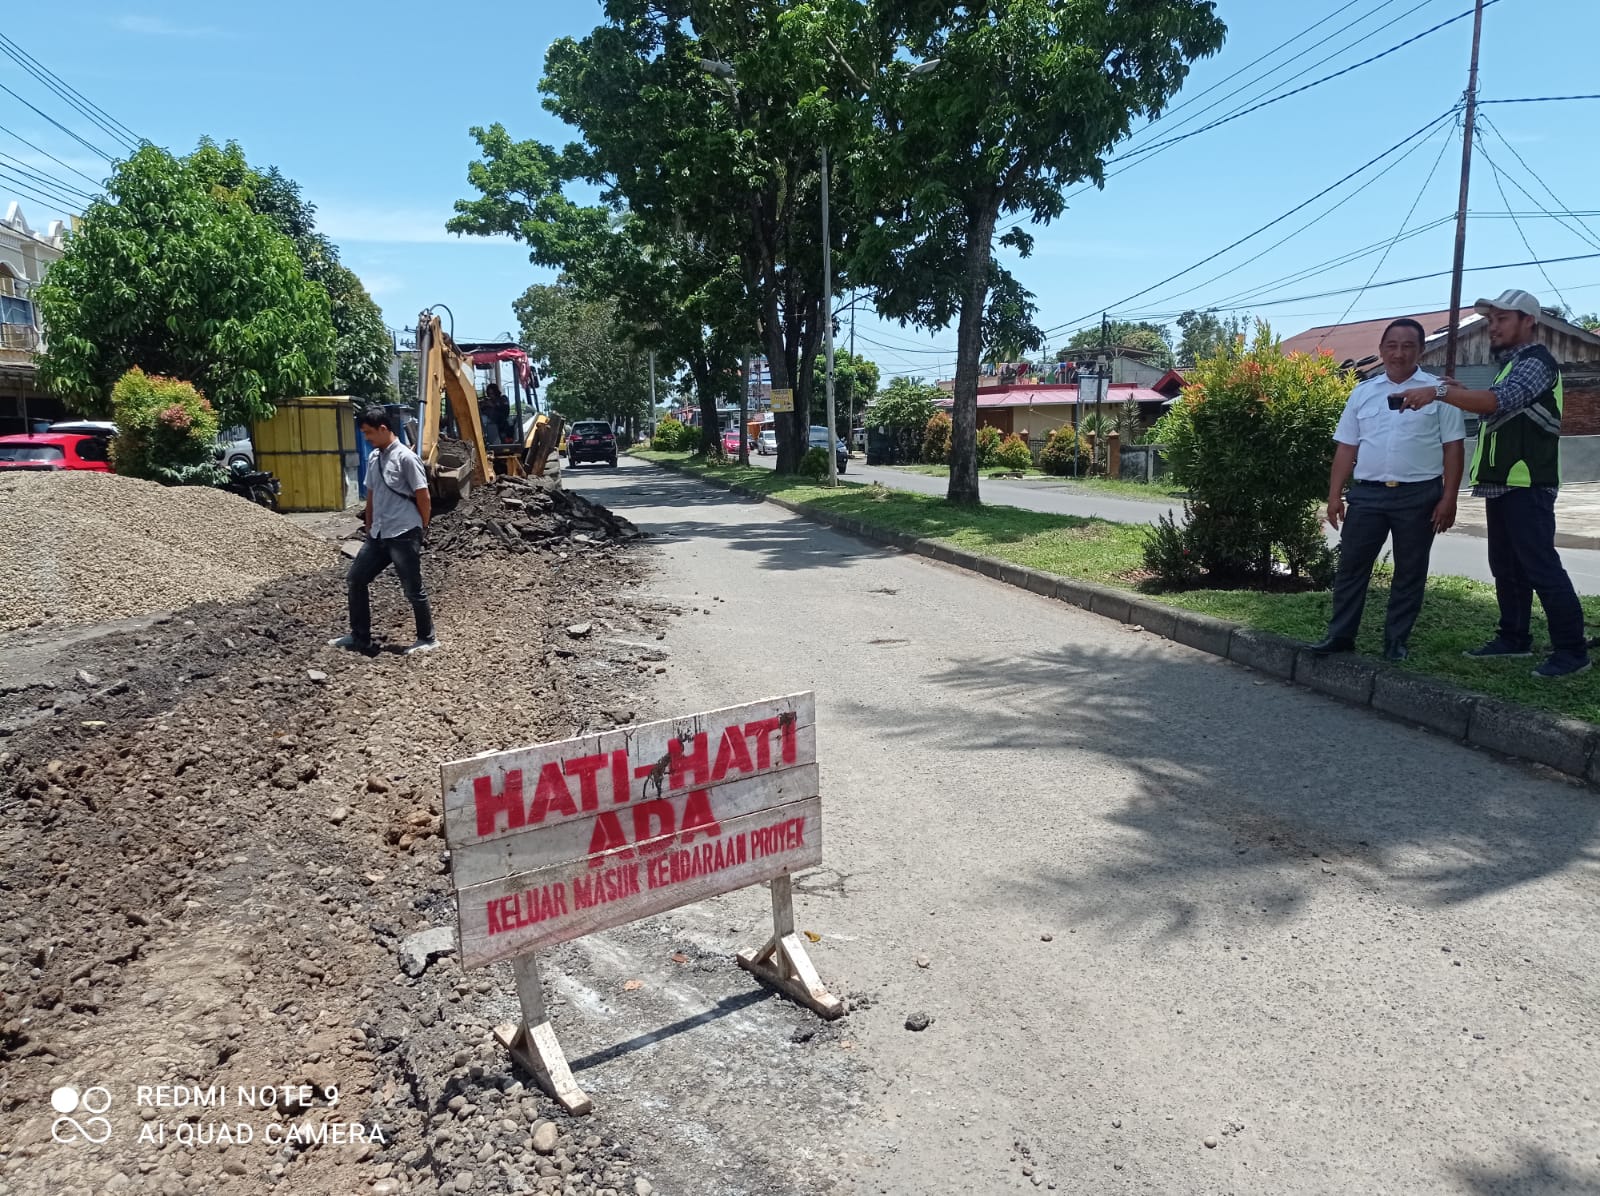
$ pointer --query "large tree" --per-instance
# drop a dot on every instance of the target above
(362, 345)
(675, 292)
(1141, 339)
(708, 118)
(578, 342)
(1027, 99)
(1203, 333)
(182, 278)
(855, 382)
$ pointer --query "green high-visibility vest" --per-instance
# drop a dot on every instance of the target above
(1523, 448)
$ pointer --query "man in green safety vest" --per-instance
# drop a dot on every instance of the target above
(1517, 470)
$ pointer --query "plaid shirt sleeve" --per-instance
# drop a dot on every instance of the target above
(1529, 378)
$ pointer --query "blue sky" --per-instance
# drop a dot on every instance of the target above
(368, 107)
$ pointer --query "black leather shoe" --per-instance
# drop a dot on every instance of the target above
(1396, 653)
(1333, 644)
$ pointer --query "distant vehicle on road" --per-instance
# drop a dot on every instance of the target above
(730, 442)
(94, 427)
(56, 450)
(820, 438)
(236, 447)
(767, 443)
(591, 440)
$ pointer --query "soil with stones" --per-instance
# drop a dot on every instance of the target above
(222, 858)
(518, 515)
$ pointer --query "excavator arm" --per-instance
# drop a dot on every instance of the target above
(444, 372)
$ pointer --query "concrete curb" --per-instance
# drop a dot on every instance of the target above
(1563, 539)
(1566, 745)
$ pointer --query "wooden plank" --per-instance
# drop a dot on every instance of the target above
(478, 807)
(522, 913)
(480, 861)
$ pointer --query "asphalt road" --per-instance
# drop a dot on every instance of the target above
(1455, 554)
(1186, 930)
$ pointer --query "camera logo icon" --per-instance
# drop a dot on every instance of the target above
(68, 1101)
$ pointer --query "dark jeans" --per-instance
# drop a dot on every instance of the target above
(1372, 515)
(1524, 561)
(405, 554)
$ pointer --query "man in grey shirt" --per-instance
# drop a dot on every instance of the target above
(398, 510)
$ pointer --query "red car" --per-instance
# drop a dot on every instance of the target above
(730, 442)
(55, 450)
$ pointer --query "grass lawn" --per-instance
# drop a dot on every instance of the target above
(1159, 491)
(1458, 613)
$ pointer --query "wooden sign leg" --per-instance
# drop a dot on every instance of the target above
(783, 962)
(533, 1043)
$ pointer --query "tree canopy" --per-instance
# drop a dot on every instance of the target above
(1143, 339)
(1027, 98)
(579, 345)
(180, 277)
(1202, 334)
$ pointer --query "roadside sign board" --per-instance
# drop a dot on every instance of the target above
(782, 400)
(552, 842)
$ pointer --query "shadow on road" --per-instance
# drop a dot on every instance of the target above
(1226, 791)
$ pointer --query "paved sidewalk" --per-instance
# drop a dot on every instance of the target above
(1577, 516)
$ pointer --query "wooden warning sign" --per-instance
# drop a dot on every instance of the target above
(558, 840)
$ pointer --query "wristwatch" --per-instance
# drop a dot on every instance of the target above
(1441, 391)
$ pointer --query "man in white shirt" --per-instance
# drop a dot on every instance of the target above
(1407, 473)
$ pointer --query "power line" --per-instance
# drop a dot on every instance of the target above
(85, 106)
(1421, 132)
(48, 179)
(1536, 178)
(1317, 219)
(41, 112)
(1410, 212)
(41, 182)
(1538, 99)
(1517, 224)
(1308, 86)
(1394, 282)
(98, 184)
(1143, 153)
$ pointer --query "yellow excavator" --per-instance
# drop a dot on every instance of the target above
(460, 443)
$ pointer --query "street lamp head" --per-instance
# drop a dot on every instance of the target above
(721, 70)
(926, 68)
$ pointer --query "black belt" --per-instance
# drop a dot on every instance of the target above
(1394, 485)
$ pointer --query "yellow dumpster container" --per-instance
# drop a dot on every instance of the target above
(310, 446)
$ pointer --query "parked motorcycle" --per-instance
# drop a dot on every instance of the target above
(257, 485)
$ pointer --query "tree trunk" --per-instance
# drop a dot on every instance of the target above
(706, 390)
(969, 350)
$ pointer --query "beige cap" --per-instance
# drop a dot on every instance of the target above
(1509, 301)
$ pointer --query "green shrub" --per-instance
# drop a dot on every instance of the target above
(989, 438)
(166, 431)
(1060, 451)
(936, 440)
(904, 403)
(1251, 440)
(1169, 555)
(1014, 453)
(814, 464)
(672, 436)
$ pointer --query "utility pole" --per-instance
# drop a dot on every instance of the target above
(1105, 378)
(855, 376)
(827, 315)
(1461, 208)
(744, 410)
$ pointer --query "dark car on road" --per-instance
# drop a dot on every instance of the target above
(591, 440)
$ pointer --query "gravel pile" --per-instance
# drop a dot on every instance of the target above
(518, 515)
(79, 547)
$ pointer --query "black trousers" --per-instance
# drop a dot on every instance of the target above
(1524, 562)
(1374, 514)
(404, 552)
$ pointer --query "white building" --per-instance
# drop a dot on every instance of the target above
(25, 255)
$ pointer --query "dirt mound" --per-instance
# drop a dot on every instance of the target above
(517, 515)
(78, 547)
(215, 863)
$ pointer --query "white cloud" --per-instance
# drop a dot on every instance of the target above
(365, 222)
(382, 284)
(158, 27)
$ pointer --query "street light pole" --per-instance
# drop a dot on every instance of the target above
(827, 315)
